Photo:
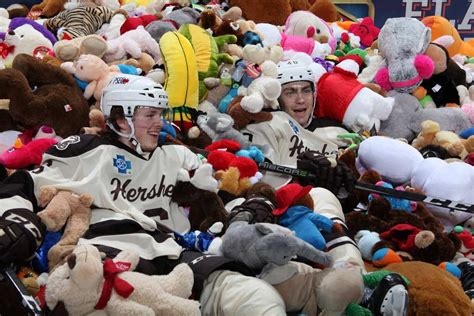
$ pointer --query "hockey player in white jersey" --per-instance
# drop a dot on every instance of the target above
(131, 180)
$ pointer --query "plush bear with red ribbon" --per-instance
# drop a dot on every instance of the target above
(122, 291)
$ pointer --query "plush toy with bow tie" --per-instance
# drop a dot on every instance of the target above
(85, 285)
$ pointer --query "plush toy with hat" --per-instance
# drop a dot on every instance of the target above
(56, 102)
(87, 285)
(64, 208)
(300, 218)
(198, 194)
(467, 241)
(403, 42)
(341, 97)
(407, 116)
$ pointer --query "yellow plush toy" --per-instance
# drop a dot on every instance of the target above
(181, 83)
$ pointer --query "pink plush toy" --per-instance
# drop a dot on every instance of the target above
(467, 101)
(22, 156)
(306, 24)
(134, 43)
(293, 43)
(93, 70)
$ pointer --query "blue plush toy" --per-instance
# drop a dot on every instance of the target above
(396, 203)
(40, 261)
(307, 225)
(251, 152)
(166, 129)
(467, 133)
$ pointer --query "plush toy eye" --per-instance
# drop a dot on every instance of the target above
(82, 67)
(318, 31)
(21, 36)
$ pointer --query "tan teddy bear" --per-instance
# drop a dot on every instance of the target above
(64, 208)
(431, 134)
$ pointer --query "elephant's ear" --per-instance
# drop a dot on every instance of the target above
(264, 229)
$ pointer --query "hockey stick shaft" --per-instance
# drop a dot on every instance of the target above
(374, 188)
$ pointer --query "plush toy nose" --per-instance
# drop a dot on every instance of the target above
(71, 261)
(11, 33)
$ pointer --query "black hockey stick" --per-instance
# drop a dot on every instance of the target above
(29, 305)
(417, 197)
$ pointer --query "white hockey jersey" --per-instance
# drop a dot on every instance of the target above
(126, 187)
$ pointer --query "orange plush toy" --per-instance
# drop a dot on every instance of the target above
(440, 26)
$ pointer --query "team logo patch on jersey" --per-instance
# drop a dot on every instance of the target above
(294, 127)
(62, 145)
(123, 166)
(120, 80)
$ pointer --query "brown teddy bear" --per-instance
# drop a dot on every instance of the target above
(64, 208)
(432, 290)
(276, 11)
(49, 8)
(242, 117)
(430, 243)
(43, 94)
(198, 194)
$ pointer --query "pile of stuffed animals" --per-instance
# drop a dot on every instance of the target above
(217, 60)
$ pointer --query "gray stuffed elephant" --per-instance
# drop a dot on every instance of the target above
(407, 116)
(403, 42)
(265, 246)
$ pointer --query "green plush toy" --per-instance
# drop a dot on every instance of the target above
(207, 50)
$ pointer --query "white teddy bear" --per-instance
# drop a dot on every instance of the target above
(263, 92)
(25, 40)
(80, 285)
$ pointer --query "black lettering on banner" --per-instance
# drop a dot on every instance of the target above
(298, 147)
(47, 163)
(27, 224)
(133, 194)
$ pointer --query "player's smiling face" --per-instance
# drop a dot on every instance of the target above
(297, 100)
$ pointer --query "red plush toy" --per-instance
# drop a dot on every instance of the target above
(366, 30)
(22, 156)
(134, 22)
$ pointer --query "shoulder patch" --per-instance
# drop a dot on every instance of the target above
(62, 145)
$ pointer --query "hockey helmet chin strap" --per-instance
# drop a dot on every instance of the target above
(130, 136)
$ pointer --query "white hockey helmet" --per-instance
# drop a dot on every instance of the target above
(294, 70)
(130, 92)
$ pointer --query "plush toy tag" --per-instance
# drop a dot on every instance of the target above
(436, 88)
(34, 15)
(67, 108)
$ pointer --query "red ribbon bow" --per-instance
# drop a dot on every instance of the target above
(112, 281)
(5, 49)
